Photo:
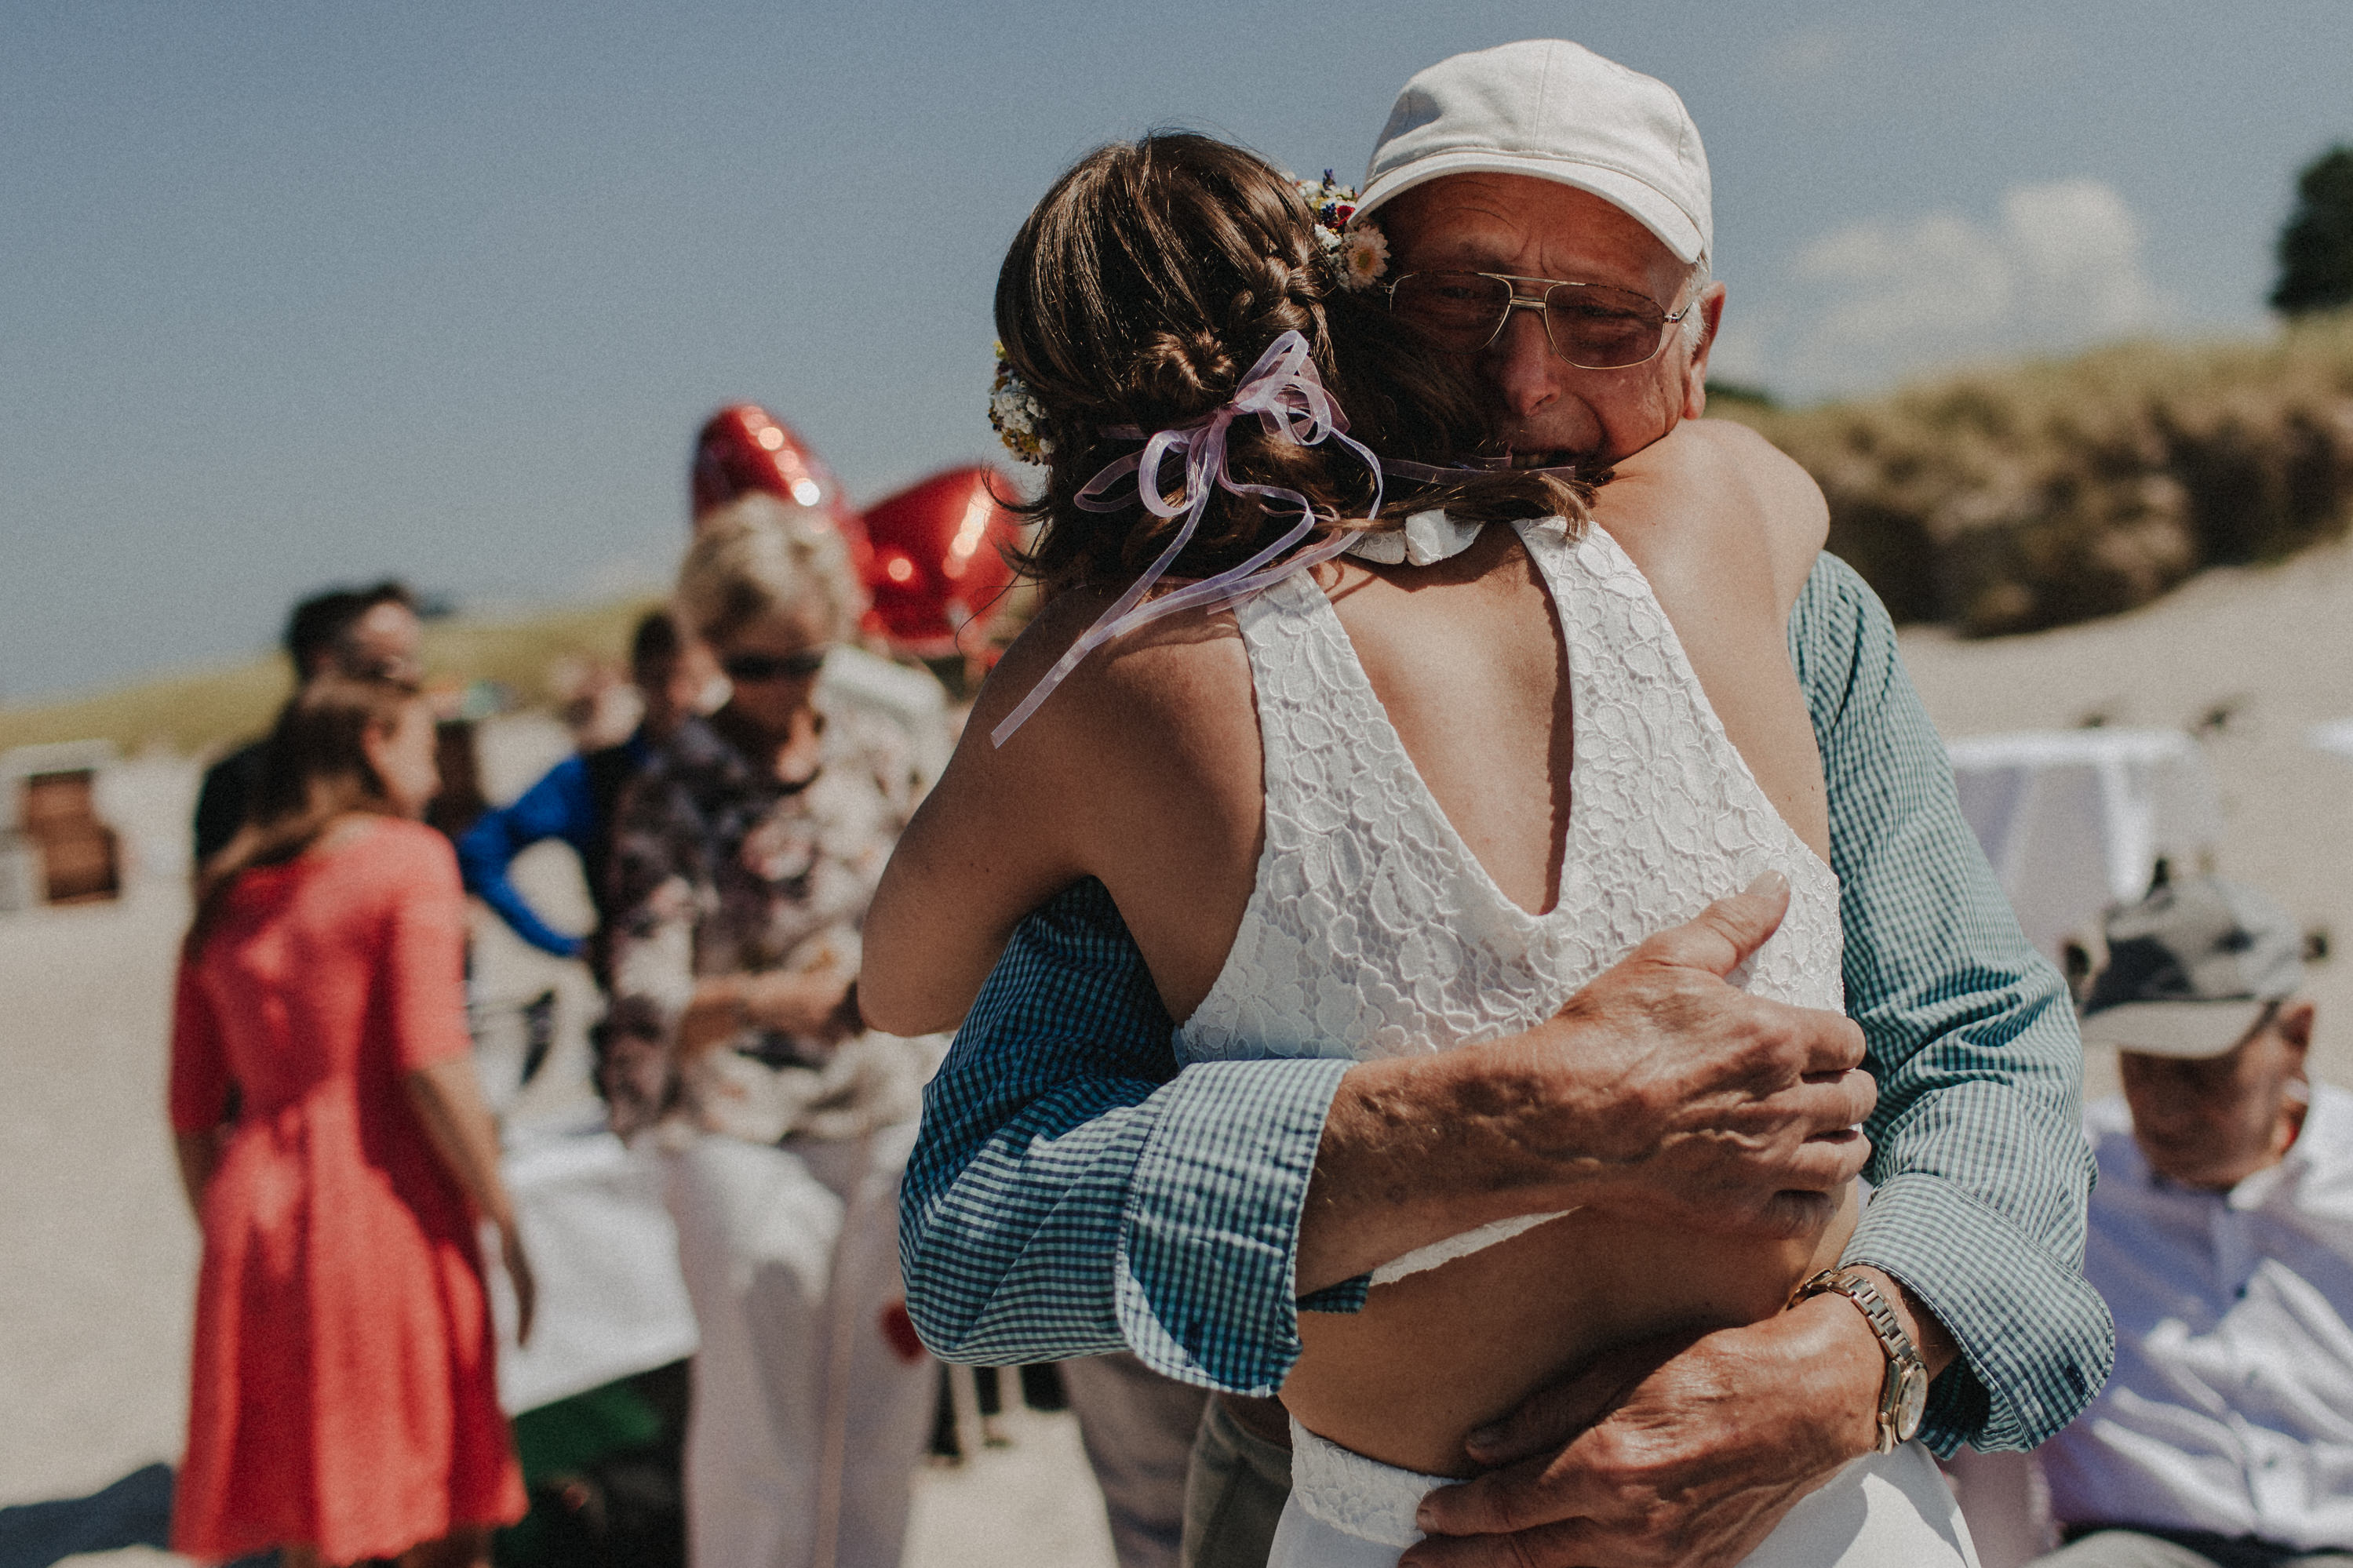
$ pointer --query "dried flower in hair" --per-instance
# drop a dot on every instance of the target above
(1019, 416)
(1358, 253)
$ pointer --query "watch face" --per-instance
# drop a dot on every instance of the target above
(1912, 1403)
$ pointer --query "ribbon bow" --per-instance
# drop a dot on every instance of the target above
(1290, 400)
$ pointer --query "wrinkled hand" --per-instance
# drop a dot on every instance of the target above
(1661, 1090)
(1681, 1450)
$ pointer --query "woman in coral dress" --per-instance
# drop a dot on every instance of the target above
(343, 1404)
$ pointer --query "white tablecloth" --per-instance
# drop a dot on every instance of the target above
(605, 1256)
(2075, 820)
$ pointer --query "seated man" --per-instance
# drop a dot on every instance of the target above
(2222, 1234)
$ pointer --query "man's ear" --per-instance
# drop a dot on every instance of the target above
(2294, 1025)
(1710, 311)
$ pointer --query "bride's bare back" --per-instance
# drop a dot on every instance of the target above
(1145, 771)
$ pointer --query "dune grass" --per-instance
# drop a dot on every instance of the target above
(2033, 495)
(206, 708)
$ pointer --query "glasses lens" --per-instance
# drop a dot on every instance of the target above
(1458, 311)
(1602, 329)
(759, 666)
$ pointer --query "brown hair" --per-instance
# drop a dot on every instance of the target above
(1138, 291)
(314, 769)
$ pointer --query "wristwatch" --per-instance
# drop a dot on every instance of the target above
(1903, 1391)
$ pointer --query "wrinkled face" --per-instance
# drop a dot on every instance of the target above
(2213, 1121)
(1528, 227)
(403, 758)
(772, 667)
(384, 642)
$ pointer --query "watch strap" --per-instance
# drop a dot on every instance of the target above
(1904, 1363)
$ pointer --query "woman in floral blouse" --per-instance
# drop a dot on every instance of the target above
(744, 857)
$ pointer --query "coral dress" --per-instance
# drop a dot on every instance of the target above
(344, 1392)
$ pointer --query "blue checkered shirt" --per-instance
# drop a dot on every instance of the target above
(1075, 1191)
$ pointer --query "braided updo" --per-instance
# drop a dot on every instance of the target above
(1138, 291)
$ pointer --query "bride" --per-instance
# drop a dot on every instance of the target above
(1371, 788)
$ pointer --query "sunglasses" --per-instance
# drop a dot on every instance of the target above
(755, 667)
(1590, 325)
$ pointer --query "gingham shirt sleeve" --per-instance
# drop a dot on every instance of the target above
(1980, 1165)
(1074, 1193)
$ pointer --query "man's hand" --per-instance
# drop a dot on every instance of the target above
(1665, 1090)
(1677, 1451)
(1660, 1089)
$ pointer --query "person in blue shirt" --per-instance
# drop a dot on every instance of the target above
(575, 800)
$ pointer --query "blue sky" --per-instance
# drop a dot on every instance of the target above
(298, 294)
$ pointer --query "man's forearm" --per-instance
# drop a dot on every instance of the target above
(1979, 1162)
(1414, 1149)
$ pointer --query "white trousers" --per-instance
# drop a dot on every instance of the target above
(806, 1423)
(1890, 1511)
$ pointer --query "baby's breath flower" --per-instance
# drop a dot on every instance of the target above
(1019, 416)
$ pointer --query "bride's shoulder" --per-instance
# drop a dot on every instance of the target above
(1177, 682)
(1714, 495)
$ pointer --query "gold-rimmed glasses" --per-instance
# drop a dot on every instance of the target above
(1593, 326)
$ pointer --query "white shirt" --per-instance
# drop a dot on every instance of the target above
(2232, 1406)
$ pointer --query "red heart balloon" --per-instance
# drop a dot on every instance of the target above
(743, 448)
(938, 561)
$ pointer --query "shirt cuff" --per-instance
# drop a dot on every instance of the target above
(1343, 1299)
(2036, 1341)
(1207, 1285)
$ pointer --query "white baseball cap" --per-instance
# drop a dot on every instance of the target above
(1556, 111)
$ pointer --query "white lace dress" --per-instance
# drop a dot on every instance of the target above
(1373, 930)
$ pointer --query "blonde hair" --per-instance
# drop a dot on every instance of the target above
(758, 556)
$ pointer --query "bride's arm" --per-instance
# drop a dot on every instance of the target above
(984, 849)
(1142, 770)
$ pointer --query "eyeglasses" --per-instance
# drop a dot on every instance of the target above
(1590, 325)
(755, 668)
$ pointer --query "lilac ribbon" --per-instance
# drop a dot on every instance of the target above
(1431, 474)
(1290, 401)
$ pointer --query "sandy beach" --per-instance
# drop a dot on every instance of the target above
(2267, 648)
(100, 1254)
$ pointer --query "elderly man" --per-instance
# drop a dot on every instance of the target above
(2222, 1234)
(1075, 1193)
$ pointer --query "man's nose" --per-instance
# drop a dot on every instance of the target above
(1521, 366)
